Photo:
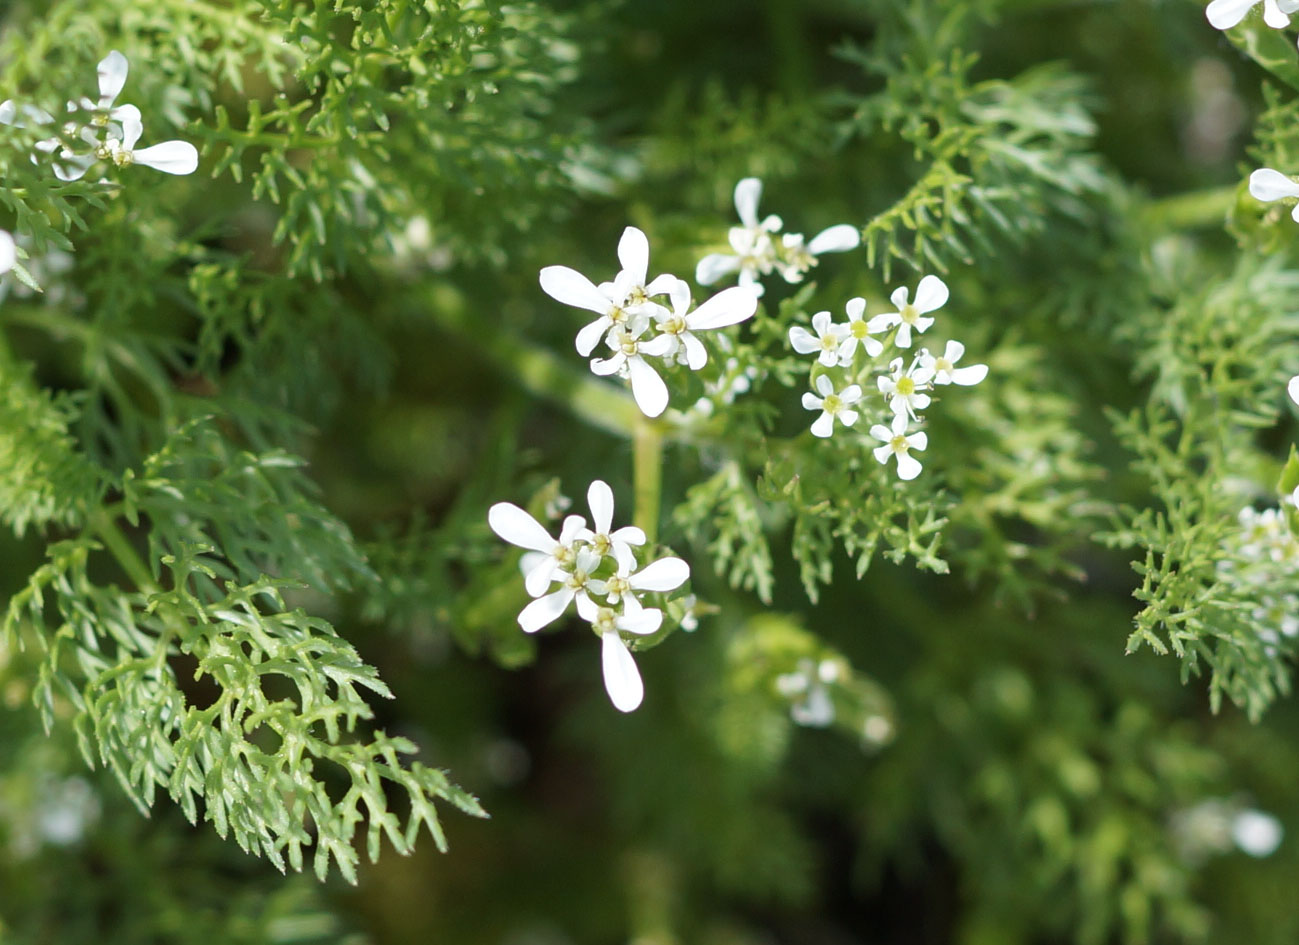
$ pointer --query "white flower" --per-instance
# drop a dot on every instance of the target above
(546, 610)
(1224, 14)
(621, 677)
(944, 369)
(757, 253)
(112, 70)
(826, 343)
(831, 405)
(898, 443)
(618, 543)
(519, 528)
(615, 302)
(628, 360)
(170, 157)
(690, 618)
(665, 574)
(728, 307)
(8, 252)
(808, 688)
(905, 387)
(857, 331)
(1267, 185)
(1256, 833)
(931, 294)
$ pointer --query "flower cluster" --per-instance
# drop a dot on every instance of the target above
(1224, 14)
(637, 326)
(859, 346)
(758, 252)
(1264, 542)
(1214, 826)
(101, 130)
(596, 570)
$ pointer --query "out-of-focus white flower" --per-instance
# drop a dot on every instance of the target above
(825, 344)
(809, 689)
(898, 443)
(1224, 14)
(728, 307)
(1268, 185)
(757, 252)
(8, 251)
(690, 619)
(832, 406)
(905, 387)
(1256, 833)
(1292, 388)
(856, 331)
(617, 302)
(628, 360)
(931, 295)
(111, 71)
(519, 528)
(170, 157)
(603, 541)
(944, 366)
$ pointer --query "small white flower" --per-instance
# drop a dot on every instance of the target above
(628, 360)
(1224, 14)
(728, 307)
(1256, 833)
(1268, 185)
(665, 574)
(111, 71)
(546, 610)
(170, 157)
(832, 406)
(809, 692)
(603, 541)
(898, 443)
(8, 251)
(690, 618)
(931, 295)
(621, 677)
(944, 367)
(617, 302)
(826, 343)
(905, 387)
(519, 528)
(857, 331)
(756, 251)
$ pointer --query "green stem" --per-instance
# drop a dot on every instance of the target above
(1189, 211)
(108, 532)
(647, 475)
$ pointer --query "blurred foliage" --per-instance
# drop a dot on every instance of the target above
(251, 426)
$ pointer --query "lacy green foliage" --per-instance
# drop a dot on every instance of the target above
(289, 695)
(724, 513)
(998, 158)
(1215, 360)
(44, 478)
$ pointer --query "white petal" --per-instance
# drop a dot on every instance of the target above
(588, 609)
(633, 253)
(642, 622)
(519, 528)
(664, 284)
(931, 294)
(170, 157)
(630, 534)
(803, 341)
(545, 610)
(855, 308)
(952, 352)
(850, 394)
(811, 401)
(715, 265)
(539, 577)
(899, 297)
(747, 194)
(573, 526)
(658, 347)
(112, 77)
(591, 334)
(919, 401)
(883, 322)
(835, 239)
(1292, 388)
(908, 467)
(696, 353)
(132, 128)
(881, 432)
(607, 366)
(821, 324)
(600, 498)
(882, 453)
(817, 711)
(572, 288)
(728, 307)
(665, 574)
(969, 376)
(1266, 184)
(848, 417)
(69, 166)
(903, 338)
(1273, 16)
(1294, 214)
(823, 425)
(1223, 14)
(648, 389)
(621, 677)
(8, 252)
(825, 385)
(873, 348)
(918, 441)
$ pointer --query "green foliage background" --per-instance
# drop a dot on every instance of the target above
(249, 435)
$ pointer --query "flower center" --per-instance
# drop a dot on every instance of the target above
(898, 444)
(577, 580)
(617, 315)
(601, 545)
(674, 325)
(943, 366)
(858, 329)
(829, 343)
(606, 621)
(565, 556)
(832, 404)
(123, 158)
(626, 344)
(618, 587)
(100, 120)
(909, 313)
(905, 387)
